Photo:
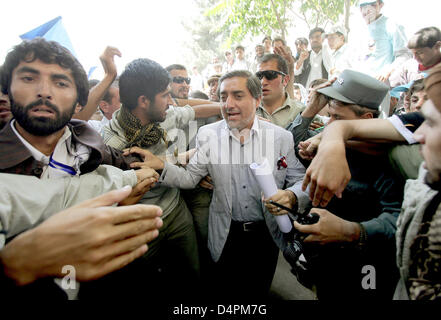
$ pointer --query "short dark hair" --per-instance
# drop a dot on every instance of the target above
(317, 29)
(282, 65)
(49, 52)
(253, 83)
(279, 39)
(417, 86)
(142, 77)
(426, 37)
(175, 67)
(239, 47)
(266, 38)
(302, 40)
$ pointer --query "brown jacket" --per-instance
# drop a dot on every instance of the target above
(16, 158)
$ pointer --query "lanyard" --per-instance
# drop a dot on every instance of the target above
(57, 165)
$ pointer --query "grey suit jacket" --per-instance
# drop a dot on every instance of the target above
(212, 157)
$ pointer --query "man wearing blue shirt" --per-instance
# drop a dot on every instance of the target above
(389, 39)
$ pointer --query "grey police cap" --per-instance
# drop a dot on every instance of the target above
(357, 88)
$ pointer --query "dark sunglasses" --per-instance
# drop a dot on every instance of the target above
(269, 74)
(181, 80)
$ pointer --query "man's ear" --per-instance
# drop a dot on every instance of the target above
(437, 45)
(258, 101)
(143, 102)
(367, 115)
(286, 80)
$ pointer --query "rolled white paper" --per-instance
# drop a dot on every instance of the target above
(265, 178)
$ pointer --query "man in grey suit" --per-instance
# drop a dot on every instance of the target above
(243, 235)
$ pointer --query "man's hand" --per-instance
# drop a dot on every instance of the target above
(108, 61)
(329, 228)
(316, 100)
(384, 77)
(303, 56)
(184, 157)
(328, 173)
(92, 236)
(147, 177)
(286, 198)
(308, 148)
(286, 53)
(316, 125)
(150, 160)
(206, 183)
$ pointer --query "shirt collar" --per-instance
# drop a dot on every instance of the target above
(36, 154)
(255, 129)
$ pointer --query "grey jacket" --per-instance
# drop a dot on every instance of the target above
(209, 159)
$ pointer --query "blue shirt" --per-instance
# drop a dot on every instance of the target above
(390, 42)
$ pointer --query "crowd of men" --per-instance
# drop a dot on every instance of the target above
(139, 183)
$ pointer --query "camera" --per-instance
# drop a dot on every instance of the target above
(294, 239)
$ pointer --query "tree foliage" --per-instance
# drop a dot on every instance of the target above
(252, 18)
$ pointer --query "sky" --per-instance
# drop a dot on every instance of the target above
(153, 28)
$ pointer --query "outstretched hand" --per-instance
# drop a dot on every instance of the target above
(107, 59)
(93, 237)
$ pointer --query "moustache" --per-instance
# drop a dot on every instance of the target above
(42, 102)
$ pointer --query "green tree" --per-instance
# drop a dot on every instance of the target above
(252, 18)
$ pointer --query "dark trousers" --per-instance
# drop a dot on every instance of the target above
(247, 265)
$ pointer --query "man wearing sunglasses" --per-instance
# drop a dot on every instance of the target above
(276, 104)
(180, 85)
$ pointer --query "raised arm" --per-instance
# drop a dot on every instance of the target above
(98, 91)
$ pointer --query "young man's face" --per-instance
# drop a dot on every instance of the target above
(267, 44)
(339, 111)
(213, 90)
(335, 41)
(427, 56)
(259, 51)
(417, 100)
(371, 12)
(272, 89)
(239, 54)
(44, 97)
(238, 105)
(429, 135)
(316, 41)
(278, 44)
(157, 110)
(180, 85)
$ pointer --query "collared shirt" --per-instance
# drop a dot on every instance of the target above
(64, 153)
(245, 205)
(316, 60)
(240, 65)
(283, 115)
(98, 125)
(390, 43)
(341, 59)
(219, 154)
